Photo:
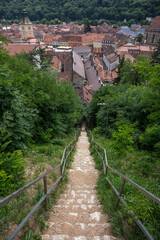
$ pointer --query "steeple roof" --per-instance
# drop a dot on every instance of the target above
(25, 19)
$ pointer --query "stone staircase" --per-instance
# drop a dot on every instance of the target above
(78, 215)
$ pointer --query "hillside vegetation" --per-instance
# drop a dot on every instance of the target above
(35, 108)
(128, 126)
(67, 10)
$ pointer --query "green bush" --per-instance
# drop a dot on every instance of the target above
(11, 172)
(11, 166)
(150, 139)
(123, 138)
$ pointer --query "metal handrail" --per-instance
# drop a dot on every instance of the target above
(62, 165)
(147, 193)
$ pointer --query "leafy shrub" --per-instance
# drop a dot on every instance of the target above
(12, 172)
(123, 137)
(11, 167)
(150, 139)
(58, 141)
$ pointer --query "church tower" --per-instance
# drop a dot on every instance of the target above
(26, 26)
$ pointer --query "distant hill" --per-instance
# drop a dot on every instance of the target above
(72, 10)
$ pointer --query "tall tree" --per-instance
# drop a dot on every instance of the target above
(87, 26)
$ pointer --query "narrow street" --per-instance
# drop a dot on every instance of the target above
(78, 215)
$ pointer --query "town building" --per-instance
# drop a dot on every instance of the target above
(26, 26)
(152, 32)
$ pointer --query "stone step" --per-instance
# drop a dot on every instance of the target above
(67, 237)
(78, 208)
(80, 217)
(78, 229)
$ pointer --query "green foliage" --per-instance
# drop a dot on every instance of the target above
(134, 100)
(139, 38)
(87, 27)
(11, 167)
(123, 138)
(34, 105)
(28, 235)
(132, 114)
(114, 11)
(150, 139)
(137, 166)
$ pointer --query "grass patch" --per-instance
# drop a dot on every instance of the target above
(143, 168)
(39, 159)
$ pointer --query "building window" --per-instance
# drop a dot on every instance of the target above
(62, 67)
(29, 28)
(153, 37)
(23, 28)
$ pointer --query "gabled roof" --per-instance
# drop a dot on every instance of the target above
(112, 57)
(78, 66)
(83, 50)
(155, 25)
(92, 76)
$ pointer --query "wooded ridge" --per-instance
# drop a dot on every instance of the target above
(67, 10)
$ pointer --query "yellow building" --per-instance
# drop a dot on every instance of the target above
(26, 27)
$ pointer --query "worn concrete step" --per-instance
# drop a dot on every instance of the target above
(81, 217)
(67, 237)
(83, 199)
(90, 208)
(80, 187)
(83, 169)
(78, 229)
(77, 194)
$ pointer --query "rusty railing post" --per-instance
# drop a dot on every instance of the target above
(45, 191)
(104, 164)
(120, 192)
(70, 147)
(61, 169)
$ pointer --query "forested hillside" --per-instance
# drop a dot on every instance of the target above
(68, 10)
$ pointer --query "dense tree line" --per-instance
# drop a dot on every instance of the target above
(35, 107)
(67, 10)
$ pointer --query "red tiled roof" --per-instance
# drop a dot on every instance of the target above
(91, 37)
(14, 49)
(48, 38)
(55, 63)
(87, 94)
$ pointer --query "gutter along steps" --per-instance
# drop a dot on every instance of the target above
(78, 215)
